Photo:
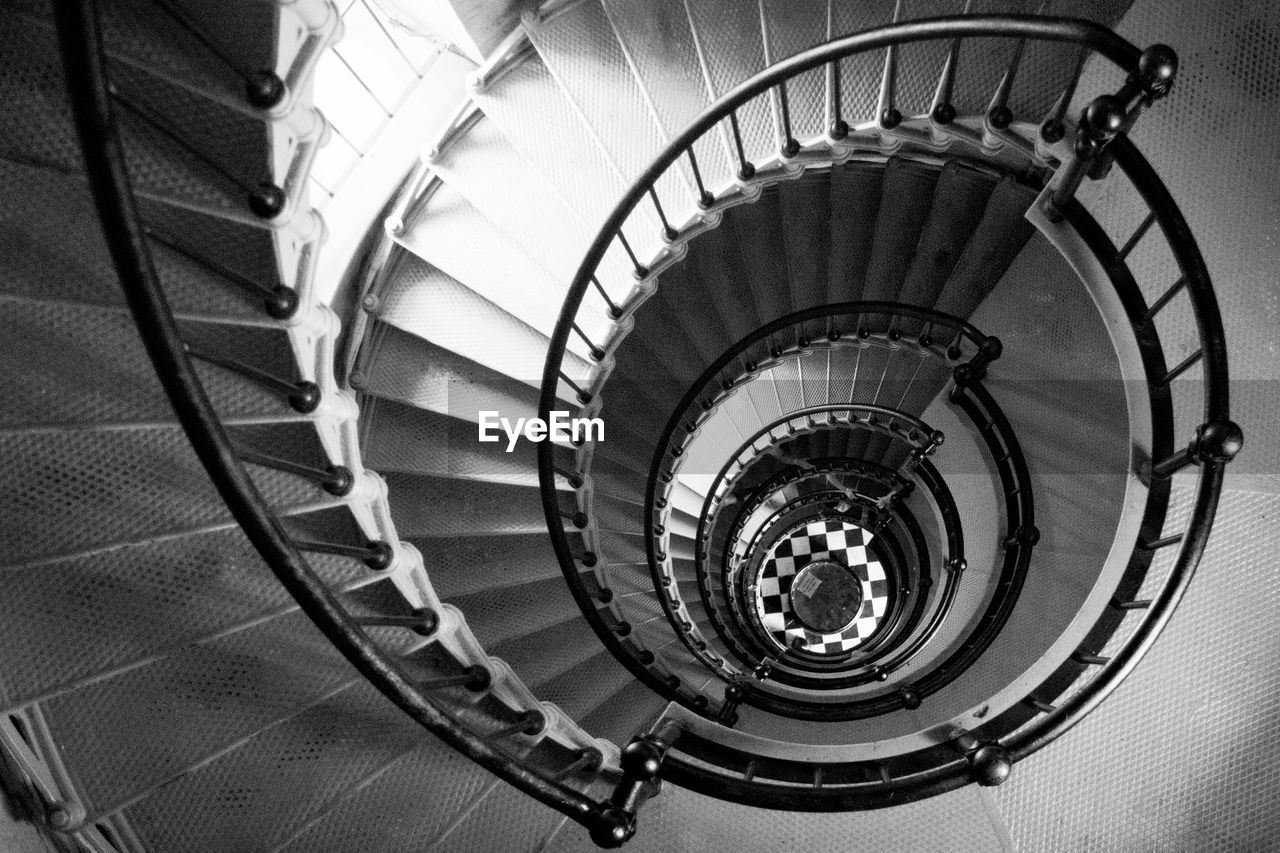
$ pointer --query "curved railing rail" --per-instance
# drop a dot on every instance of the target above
(942, 336)
(1100, 141)
(91, 96)
(870, 654)
(878, 419)
(726, 539)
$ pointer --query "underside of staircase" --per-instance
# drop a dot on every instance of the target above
(912, 388)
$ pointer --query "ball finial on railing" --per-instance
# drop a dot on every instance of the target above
(1157, 67)
(267, 201)
(990, 764)
(264, 89)
(642, 759)
(1219, 441)
(613, 828)
(1104, 116)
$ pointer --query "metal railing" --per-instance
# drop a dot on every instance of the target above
(1214, 443)
(1100, 141)
(93, 102)
(897, 425)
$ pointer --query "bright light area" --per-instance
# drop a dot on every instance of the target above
(360, 84)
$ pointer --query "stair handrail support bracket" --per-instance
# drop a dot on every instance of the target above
(642, 761)
(1107, 116)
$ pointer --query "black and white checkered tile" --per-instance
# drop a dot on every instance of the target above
(827, 539)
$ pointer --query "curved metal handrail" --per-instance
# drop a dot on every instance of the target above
(941, 497)
(770, 526)
(83, 54)
(913, 431)
(726, 477)
(1215, 442)
(1016, 483)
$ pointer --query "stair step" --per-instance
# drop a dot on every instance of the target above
(315, 755)
(764, 254)
(860, 74)
(715, 261)
(906, 199)
(504, 613)
(429, 303)
(159, 165)
(75, 617)
(582, 689)
(194, 703)
(920, 63)
(1000, 235)
(487, 169)
(74, 490)
(660, 46)
(626, 713)
(1047, 67)
(77, 269)
(430, 774)
(408, 440)
(394, 364)
(806, 212)
(444, 231)
(612, 514)
(791, 26)
(854, 209)
(542, 656)
(422, 505)
(698, 312)
(531, 109)
(659, 353)
(468, 565)
(984, 61)
(959, 200)
(85, 365)
(504, 806)
(617, 479)
(731, 49)
(579, 48)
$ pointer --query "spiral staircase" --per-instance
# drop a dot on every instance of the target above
(914, 394)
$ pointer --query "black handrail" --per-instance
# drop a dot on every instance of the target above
(761, 493)
(863, 785)
(1215, 442)
(713, 536)
(83, 56)
(773, 526)
(1016, 485)
(917, 435)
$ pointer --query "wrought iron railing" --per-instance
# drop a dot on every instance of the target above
(1100, 140)
(94, 101)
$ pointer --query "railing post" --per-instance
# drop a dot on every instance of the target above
(1109, 115)
(641, 768)
(1218, 441)
(989, 763)
(1099, 123)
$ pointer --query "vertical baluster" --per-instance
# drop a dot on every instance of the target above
(1053, 128)
(790, 145)
(705, 199)
(746, 170)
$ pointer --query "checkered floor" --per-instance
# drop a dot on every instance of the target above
(828, 539)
